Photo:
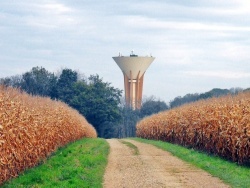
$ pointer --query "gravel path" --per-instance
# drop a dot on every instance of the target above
(152, 167)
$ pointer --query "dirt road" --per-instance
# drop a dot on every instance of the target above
(151, 167)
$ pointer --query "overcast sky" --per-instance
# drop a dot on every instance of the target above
(198, 44)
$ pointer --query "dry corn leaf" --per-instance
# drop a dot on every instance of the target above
(220, 126)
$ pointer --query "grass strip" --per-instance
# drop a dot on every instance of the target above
(130, 145)
(79, 164)
(230, 173)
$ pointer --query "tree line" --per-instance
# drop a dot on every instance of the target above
(216, 92)
(95, 99)
(100, 103)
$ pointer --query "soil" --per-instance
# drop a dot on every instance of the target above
(152, 167)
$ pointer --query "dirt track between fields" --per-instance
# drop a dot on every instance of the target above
(152, 167)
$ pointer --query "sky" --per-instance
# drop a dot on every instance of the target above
(198, 45)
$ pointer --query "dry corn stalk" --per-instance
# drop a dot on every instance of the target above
(33, 127)
(220, 126)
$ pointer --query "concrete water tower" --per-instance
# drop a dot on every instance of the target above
(133, 68)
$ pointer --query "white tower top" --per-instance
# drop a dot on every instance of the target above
(137, 65)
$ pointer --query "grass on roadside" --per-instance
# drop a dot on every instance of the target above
(130, 145)
(230, 173)
(79, 164)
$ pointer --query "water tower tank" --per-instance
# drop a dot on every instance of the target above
(133, 68)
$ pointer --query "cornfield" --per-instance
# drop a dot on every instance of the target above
(220, 126)
(31, 128)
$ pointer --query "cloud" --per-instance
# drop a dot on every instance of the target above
(46, 15)
(219, 74)
(149, 23)
(190, 40)
(56, 8)
(50, 16)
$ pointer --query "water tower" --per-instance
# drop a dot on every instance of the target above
(133, 68)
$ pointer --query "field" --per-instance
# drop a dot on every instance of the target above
(220, 126)
(79, 164)
(31, 128)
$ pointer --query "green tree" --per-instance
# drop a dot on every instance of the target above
(38, 81)
(248, 89)
(64, 89)
(13, 81)
(152, 106)
(98, 102)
